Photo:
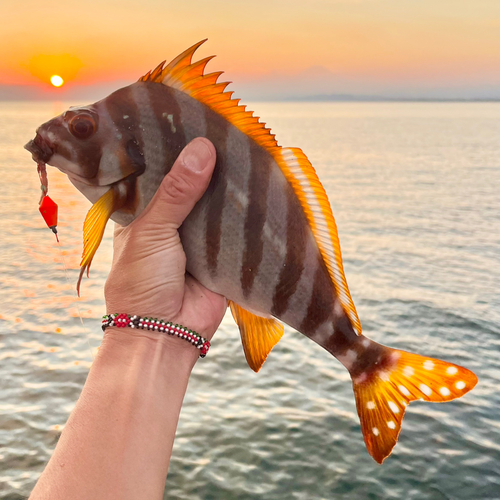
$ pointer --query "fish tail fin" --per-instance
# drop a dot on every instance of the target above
(392, 379)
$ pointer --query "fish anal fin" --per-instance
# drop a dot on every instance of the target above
(93, 229)
(258, 335)
(382, 397)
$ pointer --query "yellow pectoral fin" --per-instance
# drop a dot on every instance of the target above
(258, 335)
(93, 230)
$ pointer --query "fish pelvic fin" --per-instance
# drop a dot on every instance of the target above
(93, 230)
(258, 335)
(384, 390)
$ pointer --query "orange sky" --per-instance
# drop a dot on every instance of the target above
(395, 41)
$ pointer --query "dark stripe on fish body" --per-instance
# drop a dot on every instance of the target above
(87, 158)
(342, 338)
(124, 113)
(154, 146)
(217, 132)
(258, 185)
(296, 238)
(136, 155)
(321, 303)
(168, 114)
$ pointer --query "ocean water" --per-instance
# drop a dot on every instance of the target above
(415, 188)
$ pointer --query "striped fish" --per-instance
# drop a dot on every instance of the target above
(263, 235)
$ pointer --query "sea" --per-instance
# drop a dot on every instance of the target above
(415, 189)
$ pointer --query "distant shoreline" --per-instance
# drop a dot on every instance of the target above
(23, 93)
(386, 99)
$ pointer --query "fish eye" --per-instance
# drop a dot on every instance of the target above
(82, 126)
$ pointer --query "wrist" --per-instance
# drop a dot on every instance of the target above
(160, 326)
(143, 346)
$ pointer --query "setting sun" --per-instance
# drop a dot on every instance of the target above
(56, 80)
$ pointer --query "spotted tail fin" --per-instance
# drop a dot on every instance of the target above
(383, 395)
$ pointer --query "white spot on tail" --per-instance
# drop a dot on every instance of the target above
(393, 406)
(375, 431)
(408, 371)
(451, 370)
(404, 390)
(444, 391)
(460, 385)
(395, 355)
(370, 405)
(425, 389)
(428, 365)
(391, 424)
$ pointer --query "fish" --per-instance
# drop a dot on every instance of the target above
(263, 235)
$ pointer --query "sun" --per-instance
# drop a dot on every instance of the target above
(56, 80)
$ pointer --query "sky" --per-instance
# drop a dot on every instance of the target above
(270, 49)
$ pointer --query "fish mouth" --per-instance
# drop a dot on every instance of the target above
(40, 151)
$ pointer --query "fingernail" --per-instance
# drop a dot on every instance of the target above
(197, 156)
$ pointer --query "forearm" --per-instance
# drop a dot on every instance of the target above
(118, 439)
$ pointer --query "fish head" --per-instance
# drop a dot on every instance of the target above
(90, 145)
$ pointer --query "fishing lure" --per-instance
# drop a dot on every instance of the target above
(47, 207)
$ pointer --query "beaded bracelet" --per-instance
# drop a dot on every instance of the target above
(133, 321)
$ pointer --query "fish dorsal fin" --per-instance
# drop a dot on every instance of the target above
(312, 196)
(258, 335)
(189, 77)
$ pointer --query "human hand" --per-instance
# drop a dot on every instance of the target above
(148, 274)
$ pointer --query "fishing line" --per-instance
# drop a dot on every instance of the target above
(49, 210)
(77, 299)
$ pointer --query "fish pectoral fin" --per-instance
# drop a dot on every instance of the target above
(382, 398)
(258, 335)
(93, 229)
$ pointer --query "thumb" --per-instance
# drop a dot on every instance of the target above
(184, 185)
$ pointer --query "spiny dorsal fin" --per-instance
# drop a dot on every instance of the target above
(258, 335)
(189, 77)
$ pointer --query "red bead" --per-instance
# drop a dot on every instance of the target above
(122, 320)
